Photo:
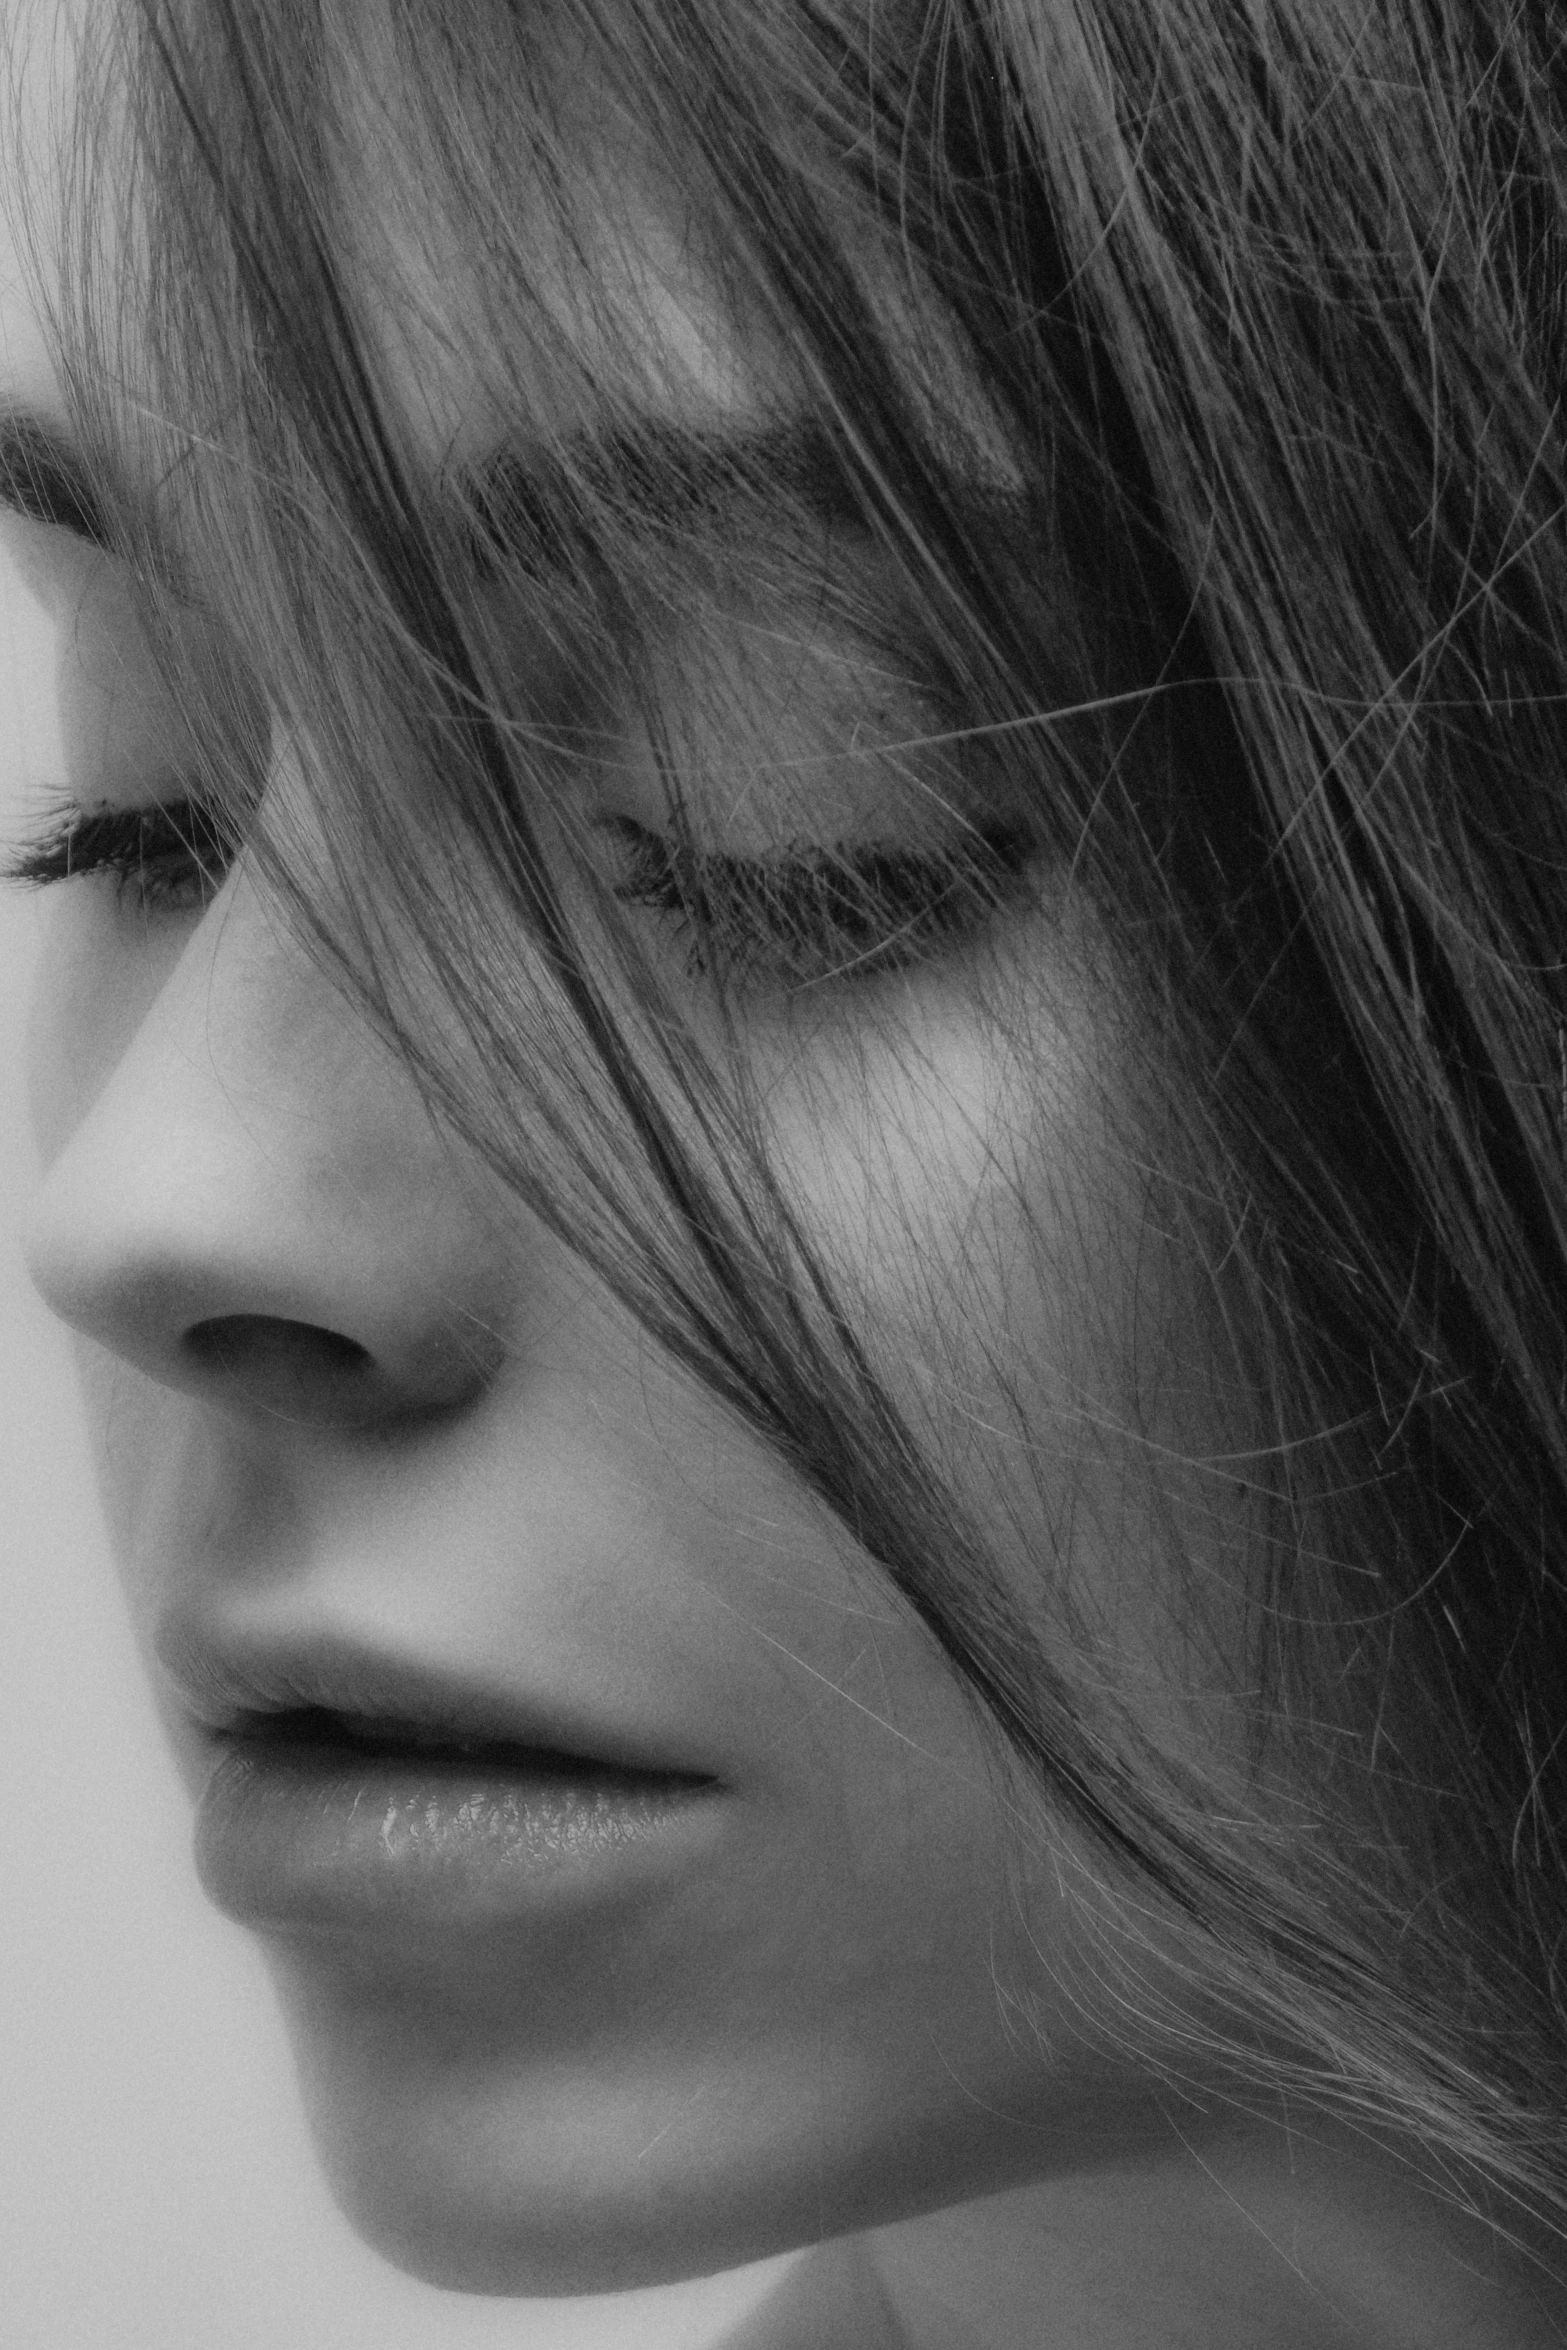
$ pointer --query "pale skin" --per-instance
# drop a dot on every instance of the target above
(810, 2028)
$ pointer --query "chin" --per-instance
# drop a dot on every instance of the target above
(551, 2211)
(543, 2177)
(521, 2245)
(488, 2135)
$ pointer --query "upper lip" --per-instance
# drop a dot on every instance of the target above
(241, 1688)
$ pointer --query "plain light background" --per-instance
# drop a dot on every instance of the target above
(157, 2191)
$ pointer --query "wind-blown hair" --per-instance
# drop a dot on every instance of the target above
(1192, 375)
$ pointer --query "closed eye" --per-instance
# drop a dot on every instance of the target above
(812, 913)
(795, 917)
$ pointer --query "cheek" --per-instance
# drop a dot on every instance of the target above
(969, 1200)
(985, 1213)
(99, 975)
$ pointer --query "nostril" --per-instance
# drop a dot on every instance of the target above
(307, 1371)
(235, 1342)
(297, 1369)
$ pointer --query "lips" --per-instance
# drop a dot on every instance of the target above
(396, 1738)
(245, 1683)
(352, 1792)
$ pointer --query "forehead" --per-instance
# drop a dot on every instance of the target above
(626, 323)
(626, 300)
(625, 307)
(37, 51)
(455, 240)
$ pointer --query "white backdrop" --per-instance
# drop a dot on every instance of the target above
(156, 2188)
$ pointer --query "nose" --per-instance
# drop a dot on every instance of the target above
(256, 1206)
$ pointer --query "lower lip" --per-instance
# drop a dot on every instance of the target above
(302, 1838)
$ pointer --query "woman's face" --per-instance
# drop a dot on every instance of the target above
(763, 1958)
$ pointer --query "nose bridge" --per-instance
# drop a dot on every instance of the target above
(257, 1205)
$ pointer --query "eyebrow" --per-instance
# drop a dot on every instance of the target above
(43, 477)
(671, 473)
(662, 477)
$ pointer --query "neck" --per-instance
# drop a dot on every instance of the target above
(1263, 2239)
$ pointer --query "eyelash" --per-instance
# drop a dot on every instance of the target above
(811, 914)
(806, 914)
(169, 857)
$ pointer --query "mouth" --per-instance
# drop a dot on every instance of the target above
(346, 1795)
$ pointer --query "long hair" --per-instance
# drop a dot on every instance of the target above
(1192, 375)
